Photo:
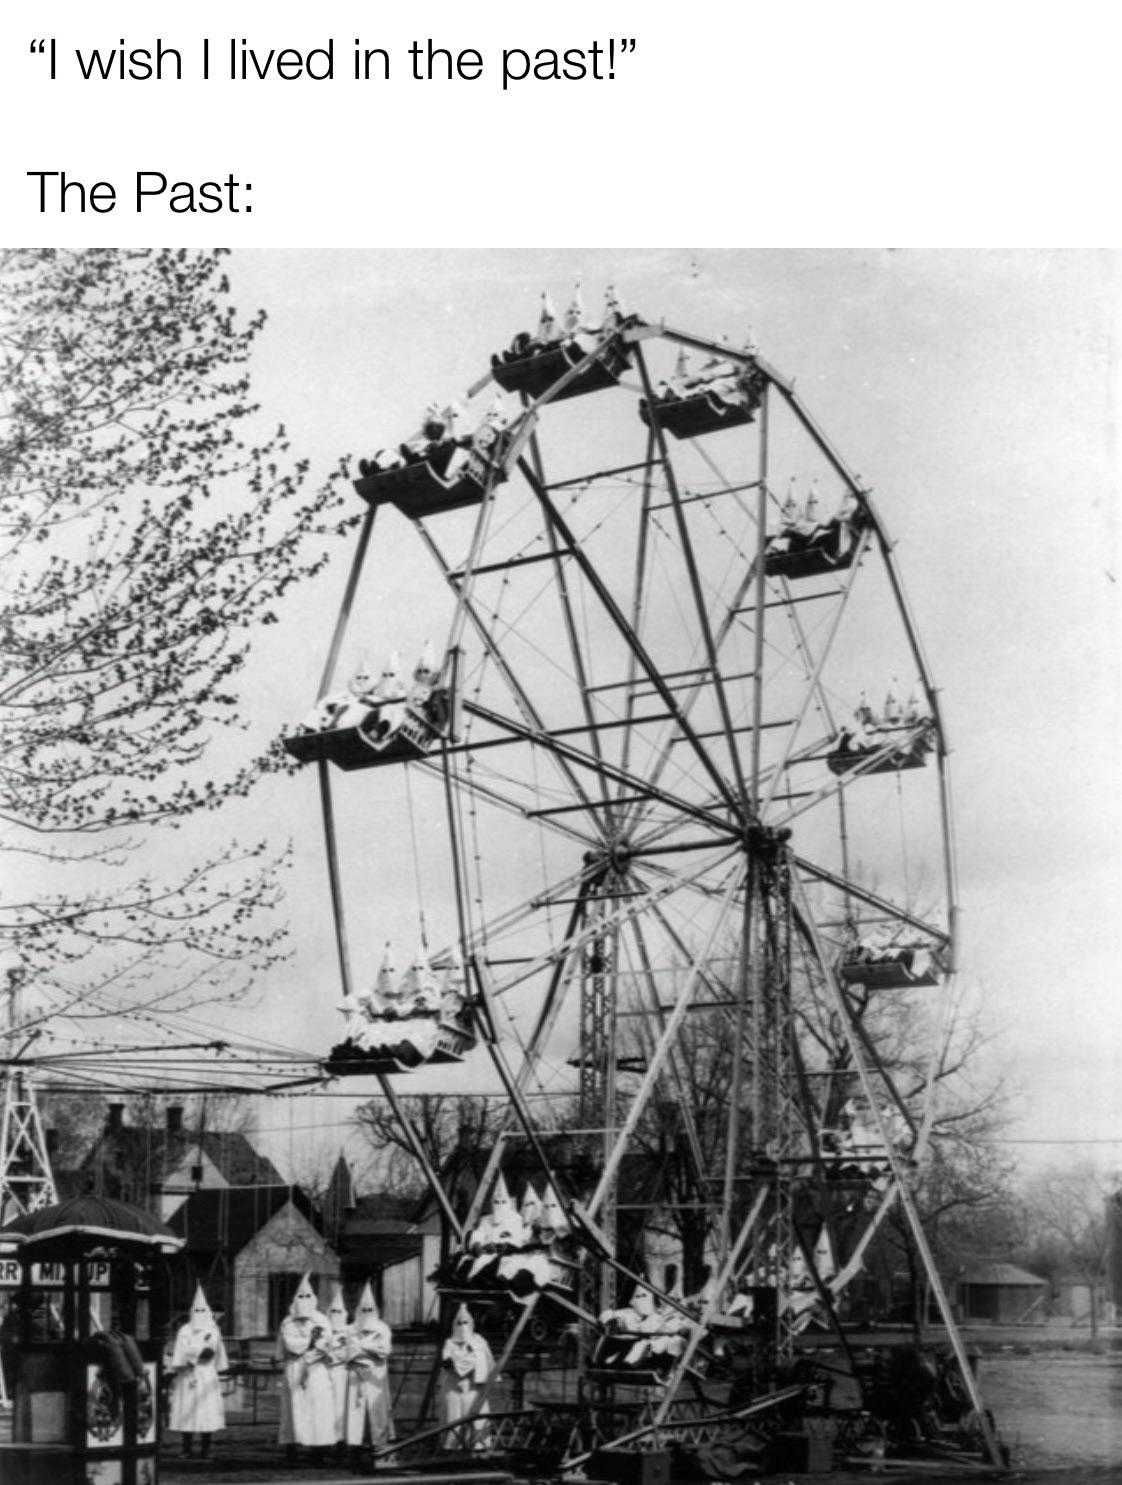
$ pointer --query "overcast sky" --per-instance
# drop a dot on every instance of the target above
(977, 394)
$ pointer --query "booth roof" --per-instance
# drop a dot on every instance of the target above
(97, 1218)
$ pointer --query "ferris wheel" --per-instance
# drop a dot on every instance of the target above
(682, 870)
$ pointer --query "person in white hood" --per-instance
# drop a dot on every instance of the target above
(468, 1363)
(369, 1420)
(339, 1346)
(307, 1396)
(197, 1359)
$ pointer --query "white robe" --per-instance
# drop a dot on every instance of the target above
(308, 1397)
(196, 1394)
(467, 1366)
(338, 1351)
(368, 1386)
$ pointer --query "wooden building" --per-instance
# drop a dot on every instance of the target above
(1003, 1294)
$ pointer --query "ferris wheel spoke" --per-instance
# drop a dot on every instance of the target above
(867, 765)
(679, 1072)
(638, 598)
(551, 743)
(645, 902)
(495, 654)
(627, 633)
(690, 560)
(673, 1025)
(510, 804)
(576, 655)
(851, 888)
(814, 689)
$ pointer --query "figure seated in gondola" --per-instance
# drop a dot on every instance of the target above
(799, 1293)
(902, 734)
(519, 1250)
(442, 467)
(642, 1336)
(854, 1150)
(808, 543)
(883, 960)
(722, 394)
(421, 1017)
(533, 363)
(379, 719)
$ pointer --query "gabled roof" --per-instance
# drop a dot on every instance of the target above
(383, 1207)
(1002, 1273)
(157, 1152)
(216, 1220)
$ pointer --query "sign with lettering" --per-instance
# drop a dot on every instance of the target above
(54, 1275)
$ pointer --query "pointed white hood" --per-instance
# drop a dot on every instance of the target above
(553, 1216)
(463, 1326)
(366, 1312)
(385, 985)
(202, 1316)
(337, 1310)
(502, 1208)
(531, 1208)
(304, 1302)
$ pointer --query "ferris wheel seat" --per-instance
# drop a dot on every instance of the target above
(702, 411)
(398, 1055)
(535, 373)
(910, 752)
(420, 489)
(898, 971)
(393, 732)
(830, 548)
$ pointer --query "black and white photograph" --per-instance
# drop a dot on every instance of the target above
(559, 864)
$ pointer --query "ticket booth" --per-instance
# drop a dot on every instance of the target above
(87, 1288)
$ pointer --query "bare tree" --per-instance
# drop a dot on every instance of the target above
(450, 1128)
(937, 1049)
(1066, 1221)
(149, 524)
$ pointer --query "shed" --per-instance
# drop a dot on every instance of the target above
(1001, 1293)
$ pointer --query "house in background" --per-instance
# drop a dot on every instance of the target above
(248, 1247)
(158, 1166)
(249, 1235)
(1003, 1294)
(387, 1240)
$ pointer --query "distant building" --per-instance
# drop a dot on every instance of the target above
(392, 1241)
(249, 1234)
(158, 1166)
(1002, 1293)
(248, 1247)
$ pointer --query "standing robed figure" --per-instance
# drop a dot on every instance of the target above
(369, 1420)
(467, 1365)
(197, 1357)
(307, 1397)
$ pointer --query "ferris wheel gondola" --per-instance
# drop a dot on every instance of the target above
(679, 845)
